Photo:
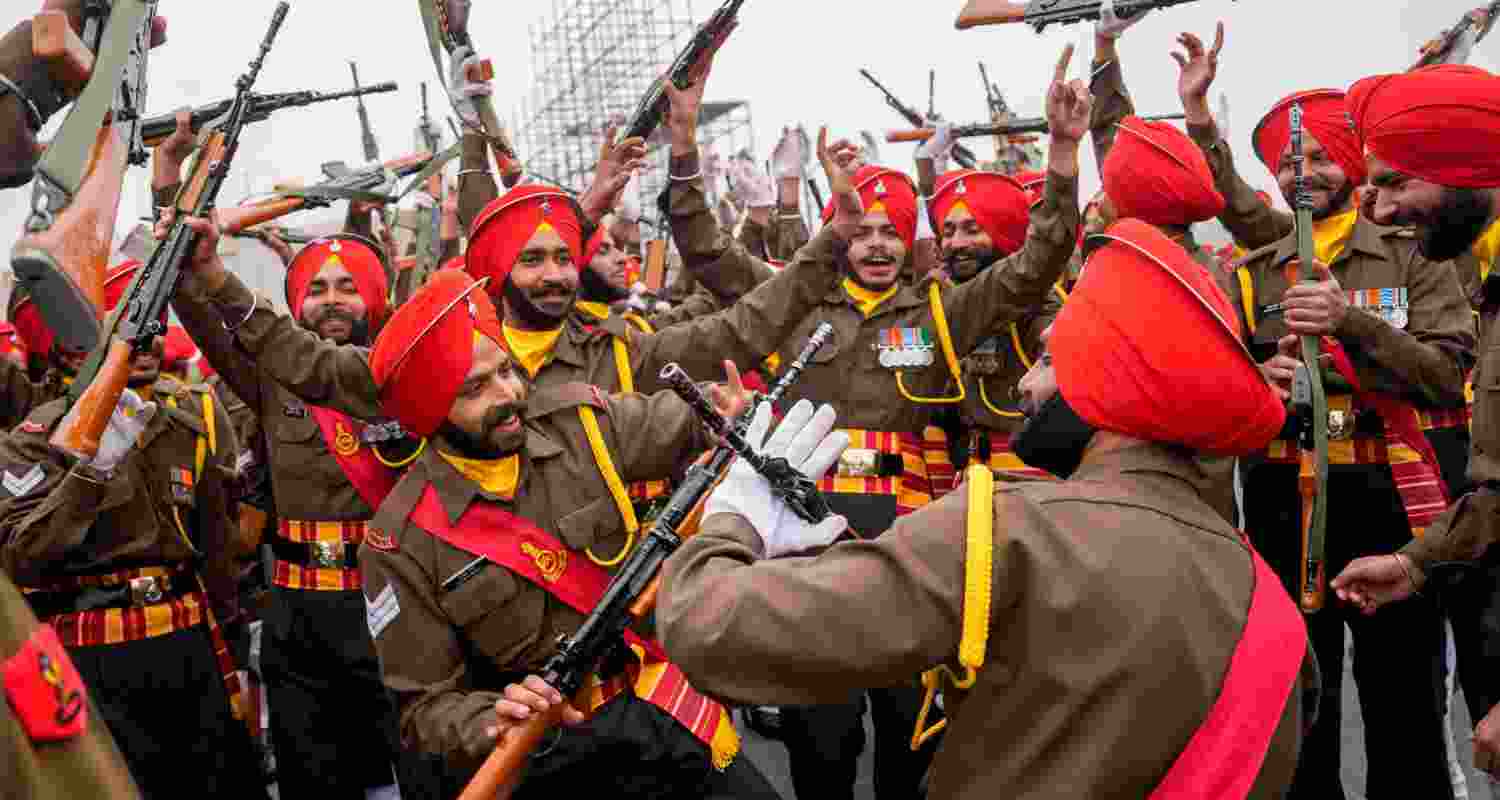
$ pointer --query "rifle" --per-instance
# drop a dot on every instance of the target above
(1452, 42)
(367, 183)
(259, 108)
(631, 594)
(366, 136)
(1013, 128)
(1309, 402)
(447, 26)
(429, 238)
(64, 250)
(961, 154)
(139, 318)
(993, 97)
(648, 114)
(1041, 13)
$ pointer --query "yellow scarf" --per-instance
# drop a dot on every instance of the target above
(866, 300)
(593, 309)
(530, 348)
(496, 477)
(1487, 250)
(1331, 234)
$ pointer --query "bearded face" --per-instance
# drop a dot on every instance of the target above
(333, 307)
(486, 419)
(1327, 183)
(542, 286)
(967, 247)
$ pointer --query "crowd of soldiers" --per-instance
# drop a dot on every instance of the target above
(1067, 493)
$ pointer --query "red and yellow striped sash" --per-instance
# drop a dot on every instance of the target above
(663, 684)
(912, 489)
(320, 579)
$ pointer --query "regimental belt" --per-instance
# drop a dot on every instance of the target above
(323, 562)
(881, 462)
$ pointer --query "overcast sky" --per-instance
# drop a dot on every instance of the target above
(793, 60)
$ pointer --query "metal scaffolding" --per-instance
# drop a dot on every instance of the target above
(592, 61)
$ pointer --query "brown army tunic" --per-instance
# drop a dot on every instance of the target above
(19, 395)
(86, 766)
(448, 654)
(1082, 694)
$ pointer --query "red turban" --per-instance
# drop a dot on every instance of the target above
(1179, 374)
(178, 350)
(424, 353)
(9, 340)
(116, 281)
(894, 191)
(503, 228)
(36, 337)
(1440, 124)
(999, 204)
(1324, 117)
(456, 262)
(358, 255)
(591, 247)
(1157, 174)
(1034, 182)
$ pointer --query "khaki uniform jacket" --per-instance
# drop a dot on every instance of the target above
(64, 524)
(1118, 597)
(19, 395)
(86, 766)
(1423, 362)
(326, 374)
(448, 654)
(847, 371)
(780, 240)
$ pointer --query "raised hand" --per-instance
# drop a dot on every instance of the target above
(848, 210)
(682, 115)
(1198, 67)
(1069, 103)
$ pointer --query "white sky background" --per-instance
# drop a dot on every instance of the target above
(794, 60)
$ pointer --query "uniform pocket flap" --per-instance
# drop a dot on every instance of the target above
(596, 523)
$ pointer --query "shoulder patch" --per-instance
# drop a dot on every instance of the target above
(45, 690)
(553, 399)
(382, 611)
(20, 481)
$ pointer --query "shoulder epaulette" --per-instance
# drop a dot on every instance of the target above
(553, 399)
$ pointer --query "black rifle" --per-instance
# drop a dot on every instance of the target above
(366, 135)
(140, 316)
(993, 97)
(258, 107)
(1041, 13)
(963, 155)
(653, 106)
(429, 239)
(1442, 48)
(631, 592)
(1015, 127)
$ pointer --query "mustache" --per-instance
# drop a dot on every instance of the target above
(501, 414)
(550, 287)
(335, 311)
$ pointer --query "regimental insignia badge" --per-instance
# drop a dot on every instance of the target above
(550, 563)
(546, 208)
(961, 188)
(344, 442)
(44, 690)
(20, 484)
(904, 348)
(1389, 304)
(335, 246)
(880, 187)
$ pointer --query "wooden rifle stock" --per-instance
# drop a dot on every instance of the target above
(235, 220)
(656, 264)
(80, 431)
(507, 761)
(69, 60)
(989, 12)
(1312, 571)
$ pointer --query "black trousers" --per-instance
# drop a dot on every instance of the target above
(164, 701)
(333, 725)
(1398, 653)
(824, 742)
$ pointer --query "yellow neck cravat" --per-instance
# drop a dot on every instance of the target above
(530, 348)
(1487, 250)
(496, 477)
(597, 310)
(1331, 234)
(866, 300)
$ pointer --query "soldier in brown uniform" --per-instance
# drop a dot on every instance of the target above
(1076, 666)
(115, 552)
(530, 484)
(1434, 143)
(332, 724)
(47, 372)
(1402, 339)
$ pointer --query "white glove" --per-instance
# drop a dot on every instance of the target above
(630, 200)
(1111, 26)
(809, 443)
(462, 90)
(126, 424)
(939, 147)
(751, 187)
(789, 159)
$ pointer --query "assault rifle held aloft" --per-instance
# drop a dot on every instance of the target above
(1469, 31)
(260, 107)
(371, 182)
(631, 594)
(962, 155)
(1017, 127)
(366, 134)
(1041, 13)
(685, 70)
(140, 316)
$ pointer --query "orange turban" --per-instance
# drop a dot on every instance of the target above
(999, 204)
(1324, 117)
(1440, 124)
(503, 228)
(1157, 174)
(179, 349)
(358, 255)
(424, 353)
(1179, 374)
(894, 191)
(35, 336)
